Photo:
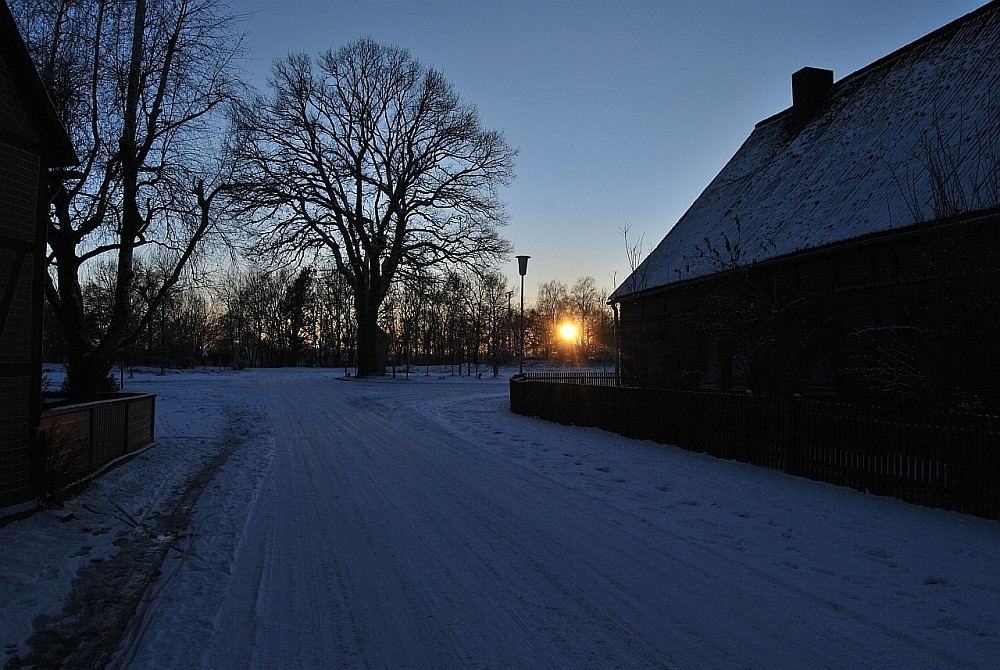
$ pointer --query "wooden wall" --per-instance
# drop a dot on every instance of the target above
(22, 248)
(910, 315)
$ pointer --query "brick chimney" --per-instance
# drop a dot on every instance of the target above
(810, 89)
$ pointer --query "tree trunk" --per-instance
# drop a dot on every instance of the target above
(83, 371)
(86, 374)
(370, 362)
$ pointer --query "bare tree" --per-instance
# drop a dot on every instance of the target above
(491, 293)
(298, 318)
(454, 318)
(552, 305)
(336, 327)
(638, 279)
(137, 87)
(254, 311)
(953, 170)
(401, 314)
(484, 293)
(370, 158)
(589, 310)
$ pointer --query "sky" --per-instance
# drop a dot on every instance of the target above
(622, 111)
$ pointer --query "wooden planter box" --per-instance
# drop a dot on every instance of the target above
(82, 439)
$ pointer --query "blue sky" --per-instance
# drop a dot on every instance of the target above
(623, 111)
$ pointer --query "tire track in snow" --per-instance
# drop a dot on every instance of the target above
(509, 551)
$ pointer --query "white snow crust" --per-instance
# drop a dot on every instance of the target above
(419, 523)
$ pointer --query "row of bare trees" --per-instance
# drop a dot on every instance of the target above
(583, 306)
(304, 318)
(472, 318)
(362, 160)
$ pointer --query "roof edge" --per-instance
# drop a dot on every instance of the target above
(57, 144)
(959, 219)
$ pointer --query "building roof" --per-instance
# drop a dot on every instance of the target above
(55, 142)
(912, 138)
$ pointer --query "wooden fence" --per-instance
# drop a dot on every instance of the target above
(949, 460)
(82, 439)
(588, 378)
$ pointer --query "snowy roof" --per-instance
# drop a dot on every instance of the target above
(866, 162)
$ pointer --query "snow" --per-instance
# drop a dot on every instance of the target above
(868, 163)
(287, 518)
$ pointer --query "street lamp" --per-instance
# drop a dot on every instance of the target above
(522, 269)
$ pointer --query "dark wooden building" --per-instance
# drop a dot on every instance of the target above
(33, 144)
(850, 247)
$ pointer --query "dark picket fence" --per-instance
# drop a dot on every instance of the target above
(949, 460)
(588, 378)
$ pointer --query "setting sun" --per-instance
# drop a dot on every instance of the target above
(568, 332)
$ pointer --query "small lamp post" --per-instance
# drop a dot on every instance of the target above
(522, 269)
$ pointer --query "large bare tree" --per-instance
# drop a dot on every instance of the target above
(370, 158)
(137, 87)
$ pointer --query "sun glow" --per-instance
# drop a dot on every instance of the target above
(568, 332)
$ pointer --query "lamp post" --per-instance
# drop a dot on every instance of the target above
(522, 269)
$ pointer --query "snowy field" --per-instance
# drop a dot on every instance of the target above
(288, 519)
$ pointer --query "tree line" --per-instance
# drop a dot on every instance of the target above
(286, 318)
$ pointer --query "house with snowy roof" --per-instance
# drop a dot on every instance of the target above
(33, 142)
(851, 245)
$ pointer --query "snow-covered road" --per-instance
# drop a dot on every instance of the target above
(419, 523)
